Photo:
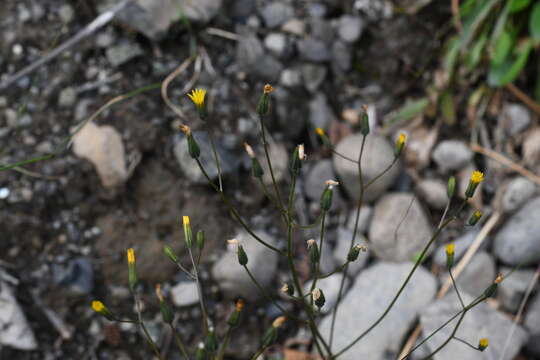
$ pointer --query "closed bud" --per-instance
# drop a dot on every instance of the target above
(200, 354)
(324, 138)
(193, 147)
(170, 253)
(269, 337)
(288, 289)
(364, 121)
(296, 160)
(242, 256)
(313, 251)
(318, 297)
(475, 217)
(326, 198)
(234, 318)
(200, 239)
(354, 252)
(483, 344)
(165, 309)
(263, 104)
(451, 189)
(400, 144)
(256, 168)
(490, 291)
(132, 272)
(188, 236)
(450, 255)
(211, 343)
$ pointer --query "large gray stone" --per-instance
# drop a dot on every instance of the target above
(313, 76)
(511, 291)
(462, 243)
(320, 113)
(452, 155)
(14, 328)
(514, 118)
(481, 321)
(314, 50)
(316, 178)
(477, 276)
(518, 241)
(276, 13)
(350, 28)
(532, 323)
(366, 301)
(343, 246)
(399, 230)
(233, 279)
(516, 193)
(433, 192)
(378, 155)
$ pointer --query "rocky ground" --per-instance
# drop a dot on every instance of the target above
(67, 221)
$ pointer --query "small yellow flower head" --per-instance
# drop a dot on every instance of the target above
(483, 344)
(239, 305)
(98, 306)
(187, 231)
(278, 322)
(475, 217)
(476, 178)
(197, 96)
(400, 143)
(131, 256)
(320, 132)
(185, 220)
(268, 89)
(450, 249)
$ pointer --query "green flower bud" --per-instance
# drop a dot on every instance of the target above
(200, 239)
(242, 256)
(324, 138)
(188, 236)
(211, 343)
(476, 178)
(200, 354)
(354, 252)
(132, 273)
(475, 217)
(165, 309)
(256, 168)
(318, 297)
(450, 248)
(400, 144)
(102, 310)
(364, 122)
(313, 251)
(326, 197)
(263, 106)
(296, 160)
(451, 189)
(170, 253)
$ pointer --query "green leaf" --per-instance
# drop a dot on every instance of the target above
(508, 71)
(448, 108)
(518, 5)
(474, 56)
(503, 45)
(408, 111)
(534, 22)
(472, 23)
(450, 57)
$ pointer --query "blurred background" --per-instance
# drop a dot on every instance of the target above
(458, 77)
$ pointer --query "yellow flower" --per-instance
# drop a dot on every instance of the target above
(483, 344)
(401, 139)
(268, 89)
(450, 249)
(320, 132)
(197, 96)
(131, 256)
(477, 177)
(185, 220)
(98, 306)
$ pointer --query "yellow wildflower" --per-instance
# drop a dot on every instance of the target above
(197, 96)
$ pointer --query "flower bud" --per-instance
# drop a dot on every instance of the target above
(234, 318)
(132, 273)
(170, 253)
(475, 216)
(476, 178)
(400, 144)
(450, 255)
(296, 160)
(326, 197)
(483, 344)
(318, 297)
(313, 251)
(271, 334)
(288, 289)
(324, 138)
(490, 291)
(211, 343)
(165, 309)
(200, 354)
(102, 310)
(200, 239)
(188, 236)
(364, 121)
(242, 256)
(263, 106)
(354, 252)
(193, 147)
(451, 189)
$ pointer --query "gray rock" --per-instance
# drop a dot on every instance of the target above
(516, 193)
(451, 155)
(477, 276)
(122, 53)
(399, 230)
(481, 321)
(67, 97)
(532, 323)
(518, 241)
(185, 293)
(511, 291)
(280, 160)
(316, 178)
(330, 287)
(242, 8)
(341, 56)
(251, 58)
(229, 162)
(350, 28)
(66, 13)
(313, 76)
(276, 43)
(322, 30)
(366, 214)
(365, 302)
(433, 192)
(77, 276)
(276, 13)
(14, 330)
(343, 246)
(461, 245)
(514, 118)
(294, 26)
(320, 113)
(314, 50)
(378, 155)
(290, 78)
(233, 279)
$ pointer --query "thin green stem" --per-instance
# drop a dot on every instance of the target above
(179, 342)
(343, 156)
(318, 264)
(233, 210)
(430, 356)
(258, 353)
(368, 184)
(336, 270)
(216, 156)
(315, 223)
(224, 345)
(151, 342)
(353, 238)
(456, 288)
(200, 292)
(466, 343)
(267, 154)
(273, 200)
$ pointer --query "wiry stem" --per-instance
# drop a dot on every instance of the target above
(140, 322)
